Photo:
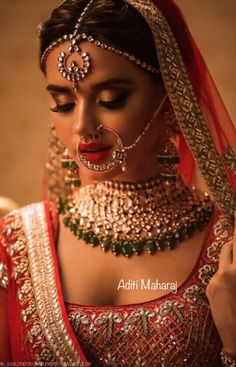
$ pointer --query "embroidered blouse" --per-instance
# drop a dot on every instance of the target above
(175, 330)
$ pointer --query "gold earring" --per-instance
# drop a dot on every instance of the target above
(72, 174)
(168, 158)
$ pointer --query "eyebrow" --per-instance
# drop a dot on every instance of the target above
(111, 82)
(59, 89)
(102, 85)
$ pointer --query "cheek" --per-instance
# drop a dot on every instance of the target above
(63, 129)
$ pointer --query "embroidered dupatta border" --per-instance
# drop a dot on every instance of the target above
(48, 305)
(187, 110)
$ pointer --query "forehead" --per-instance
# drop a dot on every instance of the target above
(103, 64)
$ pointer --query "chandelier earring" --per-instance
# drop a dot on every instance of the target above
(72, 170)
(168, 158)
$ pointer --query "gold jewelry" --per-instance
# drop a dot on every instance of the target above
(131, 218)
(227, 360)
(168, 158)
(72, 71)
(72, 173)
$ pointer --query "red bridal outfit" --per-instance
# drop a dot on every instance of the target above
(37, 326)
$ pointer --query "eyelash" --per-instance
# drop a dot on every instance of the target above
(112, 105)
(63, 108)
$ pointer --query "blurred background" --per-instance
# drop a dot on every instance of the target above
(24, 104)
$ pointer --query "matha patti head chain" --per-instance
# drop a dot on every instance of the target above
(71, 70)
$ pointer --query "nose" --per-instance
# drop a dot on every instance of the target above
(85, 122)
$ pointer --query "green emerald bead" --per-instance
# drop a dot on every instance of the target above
(191, 229)
(73, 165)
(95, 241)
(64, 164)
(151, 247)
(127, 249)
(116, 248)
(164, 159)
(79, 233)
(61, 206)
(66, 221)
(170, 242)
(159, 244)
(105, 245)
(73, 228)
(182, 233)
(73, 182)
(69, 164)
(138, 248)
(77, 221)
(86, 236)
(177, 237)
(77, 183)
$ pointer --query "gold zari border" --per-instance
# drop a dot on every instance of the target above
(44, 286)
(187, 110)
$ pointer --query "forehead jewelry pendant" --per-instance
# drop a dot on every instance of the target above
(71, 70)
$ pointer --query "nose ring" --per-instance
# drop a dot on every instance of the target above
(97, 135)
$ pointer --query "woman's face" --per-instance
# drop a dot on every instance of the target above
(115, 93)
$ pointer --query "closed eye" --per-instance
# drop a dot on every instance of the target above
(115, 103)
(63, 108)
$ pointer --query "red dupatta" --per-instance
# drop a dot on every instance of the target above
(207, 141)
(216, 116)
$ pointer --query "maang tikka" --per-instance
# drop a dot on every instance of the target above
(71, 70)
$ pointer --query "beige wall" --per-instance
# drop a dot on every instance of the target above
(23, 100)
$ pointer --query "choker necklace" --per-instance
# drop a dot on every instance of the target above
(133, 218)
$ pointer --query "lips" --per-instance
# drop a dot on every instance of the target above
(94, 152)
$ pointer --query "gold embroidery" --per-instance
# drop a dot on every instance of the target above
(50, 342)
(44, 286)
(194, 293)
(108, 319)
(15, 243)
(229, 158)
(3, 276)
(187, 110)
(141, 317)
(206, 273)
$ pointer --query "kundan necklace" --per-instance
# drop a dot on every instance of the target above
(132, 218)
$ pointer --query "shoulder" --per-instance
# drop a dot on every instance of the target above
(15, 231)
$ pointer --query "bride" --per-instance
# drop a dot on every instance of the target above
(139, 189)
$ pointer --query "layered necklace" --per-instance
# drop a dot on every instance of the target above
(133, 218)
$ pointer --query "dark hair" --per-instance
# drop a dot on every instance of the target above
(111, 21)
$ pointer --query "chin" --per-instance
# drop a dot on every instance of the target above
(89, 176)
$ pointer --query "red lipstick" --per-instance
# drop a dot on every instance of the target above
(94, 152)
